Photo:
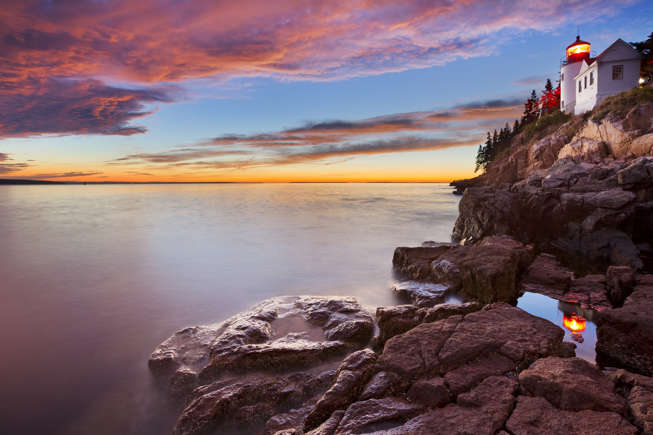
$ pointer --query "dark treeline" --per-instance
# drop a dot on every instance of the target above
(534, 107)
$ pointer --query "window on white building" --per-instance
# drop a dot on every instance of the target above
(591, 78)
(585, 79)
(580, 86)
(563, 76)
(617, 72)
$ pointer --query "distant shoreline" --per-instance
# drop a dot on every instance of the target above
(43, 182)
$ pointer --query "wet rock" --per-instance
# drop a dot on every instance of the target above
(376, 414)
(504, 329)
(414, 353)
(442, 311)
(483, 410)
(638, 390)
(546, 275)
(287, 423)
(352, 376)
(571, 384)
(329, 426)
(399, 319)
(637, 174)
(430, 392)
(620, 282)
(246, 403)
(396, 320)
(589, 292)
(486, 271)
(422, 294)
(470, 374)
(432, 349)
(625, 335)
(535, 415)
(277, 334)
(446, 272)
(382, 384)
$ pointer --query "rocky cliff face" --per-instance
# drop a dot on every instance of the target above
(585, 192)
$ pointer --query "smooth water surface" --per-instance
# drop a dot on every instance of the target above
(582, 333)
(93, 277)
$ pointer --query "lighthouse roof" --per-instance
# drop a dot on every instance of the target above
(578, 41)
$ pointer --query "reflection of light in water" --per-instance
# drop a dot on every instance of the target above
(576, 324)
(556, 311)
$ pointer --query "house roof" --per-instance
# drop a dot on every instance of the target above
(587, 63)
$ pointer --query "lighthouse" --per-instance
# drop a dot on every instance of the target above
(586, 81)
(576, 52)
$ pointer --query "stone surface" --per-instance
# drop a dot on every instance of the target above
(277, 334)
(376, 414)
(382, 384)
(638, 390)
(534, 415)
(584, 150)
(430, 392)
(401, 318)
(500, 329)
(352, 376)
(571, 384)
(486, 271)
(625, 335)
(246, 403)
(483, 410)
(620, 282)
(546, 275)
(422, 294)
(592, 213)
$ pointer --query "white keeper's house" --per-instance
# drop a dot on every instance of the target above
(585, 81)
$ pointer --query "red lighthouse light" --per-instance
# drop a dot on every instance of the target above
(578, 51)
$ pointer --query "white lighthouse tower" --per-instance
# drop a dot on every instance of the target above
(576, 53)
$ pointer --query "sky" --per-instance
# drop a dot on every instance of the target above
(277, 91)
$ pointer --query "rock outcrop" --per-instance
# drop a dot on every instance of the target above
(487, 271)
(625, 335)
(277, 334)
(596, 214)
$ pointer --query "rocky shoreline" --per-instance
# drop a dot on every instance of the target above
(569, 216)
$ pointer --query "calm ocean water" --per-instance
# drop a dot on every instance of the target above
(93, 277)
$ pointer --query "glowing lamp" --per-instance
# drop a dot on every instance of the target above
(578, 51)
(574, 323)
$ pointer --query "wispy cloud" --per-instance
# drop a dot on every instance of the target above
(531, 81)
(73, 174)
(324, 141)
(150, 42)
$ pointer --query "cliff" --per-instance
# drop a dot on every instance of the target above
(581, 187)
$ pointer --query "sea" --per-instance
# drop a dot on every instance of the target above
(93, 277)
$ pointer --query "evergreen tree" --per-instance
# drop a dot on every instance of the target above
(645, 48)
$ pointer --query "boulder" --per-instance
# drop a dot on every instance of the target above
(638, 390)
(483, 410)
(584, 150)
(499, 331)
(535, 415)
(277, 334)
(373, 414)
(546, 275)
(422, 294)
(589, 292)
(401, 318)
(382, 384)
(430, 392)
(620, 282)
(352, 376)
(247, 403)
(625, 334)
(486, 271)
(571, 384)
